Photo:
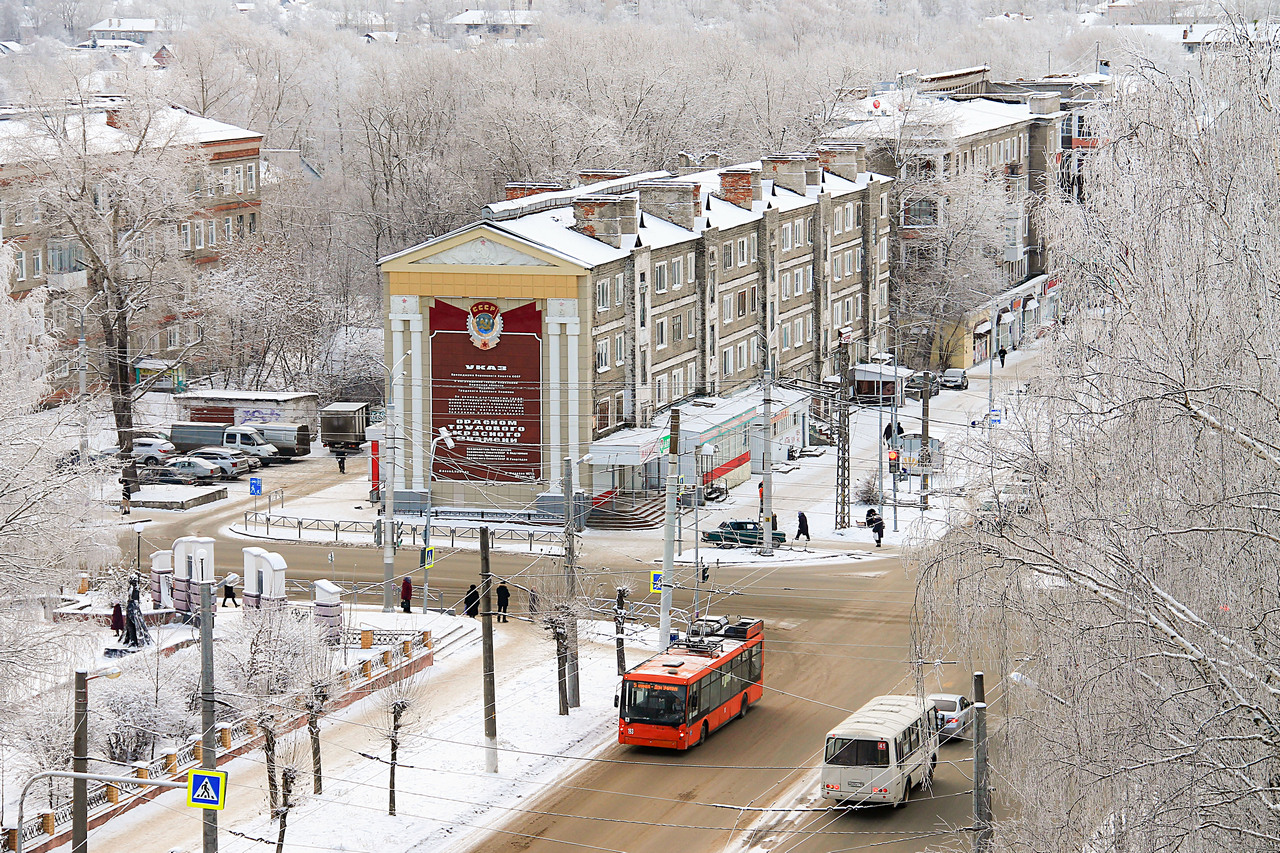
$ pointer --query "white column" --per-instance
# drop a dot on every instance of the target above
(574, 391)
(397, 395)
(418, 427)
(553, 398)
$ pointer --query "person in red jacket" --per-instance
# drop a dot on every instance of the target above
(406, 593)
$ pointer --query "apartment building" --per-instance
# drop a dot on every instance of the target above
(569, 321)
(225, 198)
(935, 137)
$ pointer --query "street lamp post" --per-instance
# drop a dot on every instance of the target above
(447, 438)
(80, 759)
(137, 530)
(706, 452)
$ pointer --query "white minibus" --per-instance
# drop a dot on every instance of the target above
(881, 751)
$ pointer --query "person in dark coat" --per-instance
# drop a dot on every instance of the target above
(342, 467)
(406, 593)
(504, 599)
(117, 620)
(803, 528)
(876, 523)
(1003, 353)
(533, 601)
(229, 591)
(471, 601)
(889, 433)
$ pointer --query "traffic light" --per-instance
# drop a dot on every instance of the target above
(894, 465)
(706, 573)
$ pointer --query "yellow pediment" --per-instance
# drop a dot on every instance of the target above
(480, 249)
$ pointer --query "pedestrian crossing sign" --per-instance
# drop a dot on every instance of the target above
(655, 582)
(429, 557)
(207, 789)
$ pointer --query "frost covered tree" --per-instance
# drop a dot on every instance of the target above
(1135, 590)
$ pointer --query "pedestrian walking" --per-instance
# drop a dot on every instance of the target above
(406, 594)
(533, 601)
(117, 620)
(229, 590)
(124, 499)
(1003, 353)
(342, 465)
(803, 527)
(471, 602)
(877, 527)
(504, 599)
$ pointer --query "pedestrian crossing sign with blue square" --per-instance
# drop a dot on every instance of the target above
(655, 582)
(207, 789)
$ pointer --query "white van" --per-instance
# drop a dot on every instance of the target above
(881, 751)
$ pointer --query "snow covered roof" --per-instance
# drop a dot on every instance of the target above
(174, 125)
(126, 25)
(883, 116)
(109, 44)
(243, 396)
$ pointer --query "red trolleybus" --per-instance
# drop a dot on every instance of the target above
(677, 697)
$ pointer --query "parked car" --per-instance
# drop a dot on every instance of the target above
(954, 378)
(164, 475)
(153, 451)
(731, 534)
(921, 379)
(232, 464)
(201, 470)
(99, 458)
(955, 714)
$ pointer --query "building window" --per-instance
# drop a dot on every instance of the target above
(20, 265)
(754, 300)
(858, 215)
(922, 211)
(620, 405)
(239, 180)
(253, 223)
(212, 228)
(786, 285)
(884, 205)
(786, 336)
(808, 230)
(786, 237)
(677, 327)
(726, 307)
(251, 178)
(726, 255)
(642, 307)
(602, 414)
(754, 252)
(660, 278)
(689, 323)
(798, 332)
(858, 258)
(808, 279)
(742, 356)
(618, 292)
(837, 268)
(742, 251)
(661, 383)
(688, 267)
(198, 228)
(884, 250)
(173, 337)
(602, 356)
(619, 347)
(848, 262)
(857, 304)
(226, 227)
(660, 333)
(37, 263)
(677, 273)
(808, 329)
(644, 367)
(742, 303)
(838, 225)
(848, 308)
(677, 384)
(726, 362)
(602, 294)
(184, 234)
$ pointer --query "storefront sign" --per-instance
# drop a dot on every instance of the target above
(486, 388)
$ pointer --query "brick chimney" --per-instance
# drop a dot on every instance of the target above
(841, 159)
(687, 163)
(740, 186)
(595, 176)
(1044, 103)
(674, 201)
(523, 189)
(608, 218)
(786, 170)
(113, 118)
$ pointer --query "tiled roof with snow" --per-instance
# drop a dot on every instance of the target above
(884, 116)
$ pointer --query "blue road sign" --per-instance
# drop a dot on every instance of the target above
(655, 581)
(255, 486)
(428, 557)
(207, 789)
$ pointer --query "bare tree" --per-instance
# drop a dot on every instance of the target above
(399, 706)
(1134, 589)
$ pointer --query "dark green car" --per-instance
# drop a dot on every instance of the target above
(731, 534)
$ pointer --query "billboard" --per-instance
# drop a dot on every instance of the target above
(486, 388)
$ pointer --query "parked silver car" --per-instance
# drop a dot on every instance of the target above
(202, 470)
(153, 451)
(954, 378)
(232, 463)
(955, 714)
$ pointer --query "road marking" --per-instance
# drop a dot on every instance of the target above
(788, 624)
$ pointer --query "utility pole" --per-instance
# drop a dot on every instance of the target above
(669, 532)
(570, 585)
(486, 634)
(766, 450)
(82, 348)
(893, 430)
(842, 439)
(880, 426)
(619, 625)
(925, 457)
(208, 736)
(80, 764)
(389, 502)
(981, 772)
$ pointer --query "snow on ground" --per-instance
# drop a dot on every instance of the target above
(444, 797)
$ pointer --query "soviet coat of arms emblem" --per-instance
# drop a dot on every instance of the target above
(484, 324)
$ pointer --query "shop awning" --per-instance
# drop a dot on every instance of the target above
(982, 328)
(1005, 318)
(1031, 306)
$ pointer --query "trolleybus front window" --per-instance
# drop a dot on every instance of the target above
(656, 704)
